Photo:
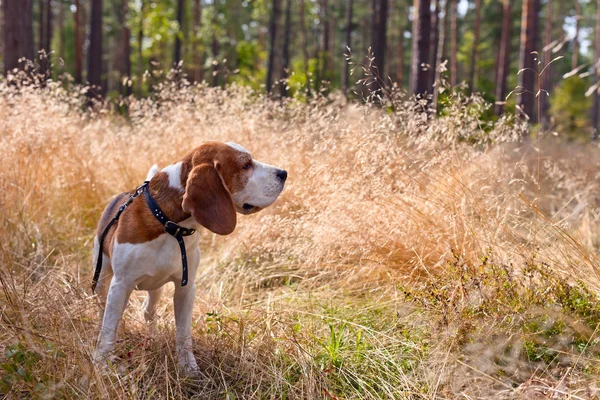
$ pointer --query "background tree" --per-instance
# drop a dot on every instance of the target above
(503, 63)
(474, 52)
(527, 64)
(177, 53)
(419, 79)
(378, 39)
(273, 28)
(348, 45)
(95, 52)
(286, 46)
(78, 42)
(18, 32)
(453, 42)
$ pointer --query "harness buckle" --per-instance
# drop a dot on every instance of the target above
(172, 228)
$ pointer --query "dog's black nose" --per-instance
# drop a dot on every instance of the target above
(282, 174)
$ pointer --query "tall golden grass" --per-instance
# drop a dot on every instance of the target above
(306, 299)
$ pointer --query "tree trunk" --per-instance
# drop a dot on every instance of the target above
(437, 76)
(527, 78)
(42, 25)
(123, 60)
(78, 44)
(18, 33)
(61, 35)
(198, 53)
(419, 76)
(547, 57)
(475, 50)
(286, 47)
(177, 55)
(378, 42)
(140, 55)
(400, 55)
(275, 11)
(346, 69)
(597, 68)
(453, 43)
(435, 37)
(304, 42)
(503, 62)
(95, 51)
(45, 38)
(575, 57)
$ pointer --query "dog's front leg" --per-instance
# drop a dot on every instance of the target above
(184, 305)
(118, 295)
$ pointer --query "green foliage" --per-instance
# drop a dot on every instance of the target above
(570, 108)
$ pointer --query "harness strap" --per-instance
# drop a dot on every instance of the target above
(170, 227)
(98, 269)
(178, 232)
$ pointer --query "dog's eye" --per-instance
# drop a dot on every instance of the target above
(247, 166)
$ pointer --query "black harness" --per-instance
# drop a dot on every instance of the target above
(178, 232)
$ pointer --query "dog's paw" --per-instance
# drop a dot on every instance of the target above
(188, 364)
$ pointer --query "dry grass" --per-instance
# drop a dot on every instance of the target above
(405, 258)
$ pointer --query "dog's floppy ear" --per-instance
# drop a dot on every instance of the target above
(208, 200)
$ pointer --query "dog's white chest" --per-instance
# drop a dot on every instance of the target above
(152, 264)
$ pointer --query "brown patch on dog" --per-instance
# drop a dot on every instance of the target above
(138, 225)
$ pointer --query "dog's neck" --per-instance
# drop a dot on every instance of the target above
(168, 197)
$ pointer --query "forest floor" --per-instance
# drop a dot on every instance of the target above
(408, 257)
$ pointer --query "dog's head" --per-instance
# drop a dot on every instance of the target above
(224, 179)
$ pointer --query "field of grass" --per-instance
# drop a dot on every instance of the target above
(408, 257)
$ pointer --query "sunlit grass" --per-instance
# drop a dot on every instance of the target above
(398, 263)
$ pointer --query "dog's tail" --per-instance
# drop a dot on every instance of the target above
(153, 171)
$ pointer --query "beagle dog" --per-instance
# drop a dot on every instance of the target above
(206, 188)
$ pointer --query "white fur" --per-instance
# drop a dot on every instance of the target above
(153, 171)
(262, 188)
(173, 171)
(237, 147)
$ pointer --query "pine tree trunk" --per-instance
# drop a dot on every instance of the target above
(453, 43)
(438, 60)
(123, 65)
(177, 54)
(575, 57)
(475, 50)
(78, 44)
(45, 38)
(198, 52)
(596, 93)
(275, 11)
(286, 47)
(18, 32)
(547, 57)
(346, 69)
(140, 55)
(503, 62)
(61, 35)
(400, 55)
(95, 51)
(419, 76)
(378, 42)
(435, 38)
(527, 78)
